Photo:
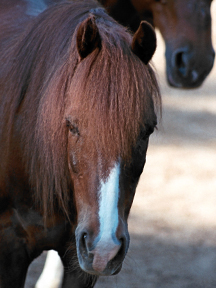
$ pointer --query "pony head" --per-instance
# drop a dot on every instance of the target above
(109, 116)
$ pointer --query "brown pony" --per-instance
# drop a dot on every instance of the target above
(186, 28)
(78, 102)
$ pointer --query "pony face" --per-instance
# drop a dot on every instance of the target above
(104, 188)
(106, 144)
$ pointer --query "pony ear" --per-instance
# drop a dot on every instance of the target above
(144, 42)
(88, 37)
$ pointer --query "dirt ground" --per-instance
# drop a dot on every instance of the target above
(173, 218)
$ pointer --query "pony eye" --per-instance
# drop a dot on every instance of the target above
(72, 128)
(150, 130)
(147, 131)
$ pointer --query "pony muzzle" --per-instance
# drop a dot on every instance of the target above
(101, 257)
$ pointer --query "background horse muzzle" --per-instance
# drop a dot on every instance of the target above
(186, 67)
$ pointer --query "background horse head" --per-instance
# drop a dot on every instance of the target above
(186, 28)
(78, 103)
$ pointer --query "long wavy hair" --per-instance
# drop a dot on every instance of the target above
(41, 74)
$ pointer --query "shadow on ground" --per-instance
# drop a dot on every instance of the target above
(160, 260)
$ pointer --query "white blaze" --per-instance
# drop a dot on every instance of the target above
(107, 245)
(108, 205)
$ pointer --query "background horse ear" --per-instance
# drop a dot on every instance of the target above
(144, 42)
(88, 37)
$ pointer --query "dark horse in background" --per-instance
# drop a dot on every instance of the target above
(78, 102)
(186, 28)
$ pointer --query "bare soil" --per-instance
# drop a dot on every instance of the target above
(173, 218)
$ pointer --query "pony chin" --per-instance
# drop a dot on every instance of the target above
(109, 271)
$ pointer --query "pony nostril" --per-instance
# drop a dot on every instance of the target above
(84, 237)
(83, 245)
(122, 249)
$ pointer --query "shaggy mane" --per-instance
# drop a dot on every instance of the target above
(42, 75)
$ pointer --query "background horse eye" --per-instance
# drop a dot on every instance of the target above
(161, 1)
